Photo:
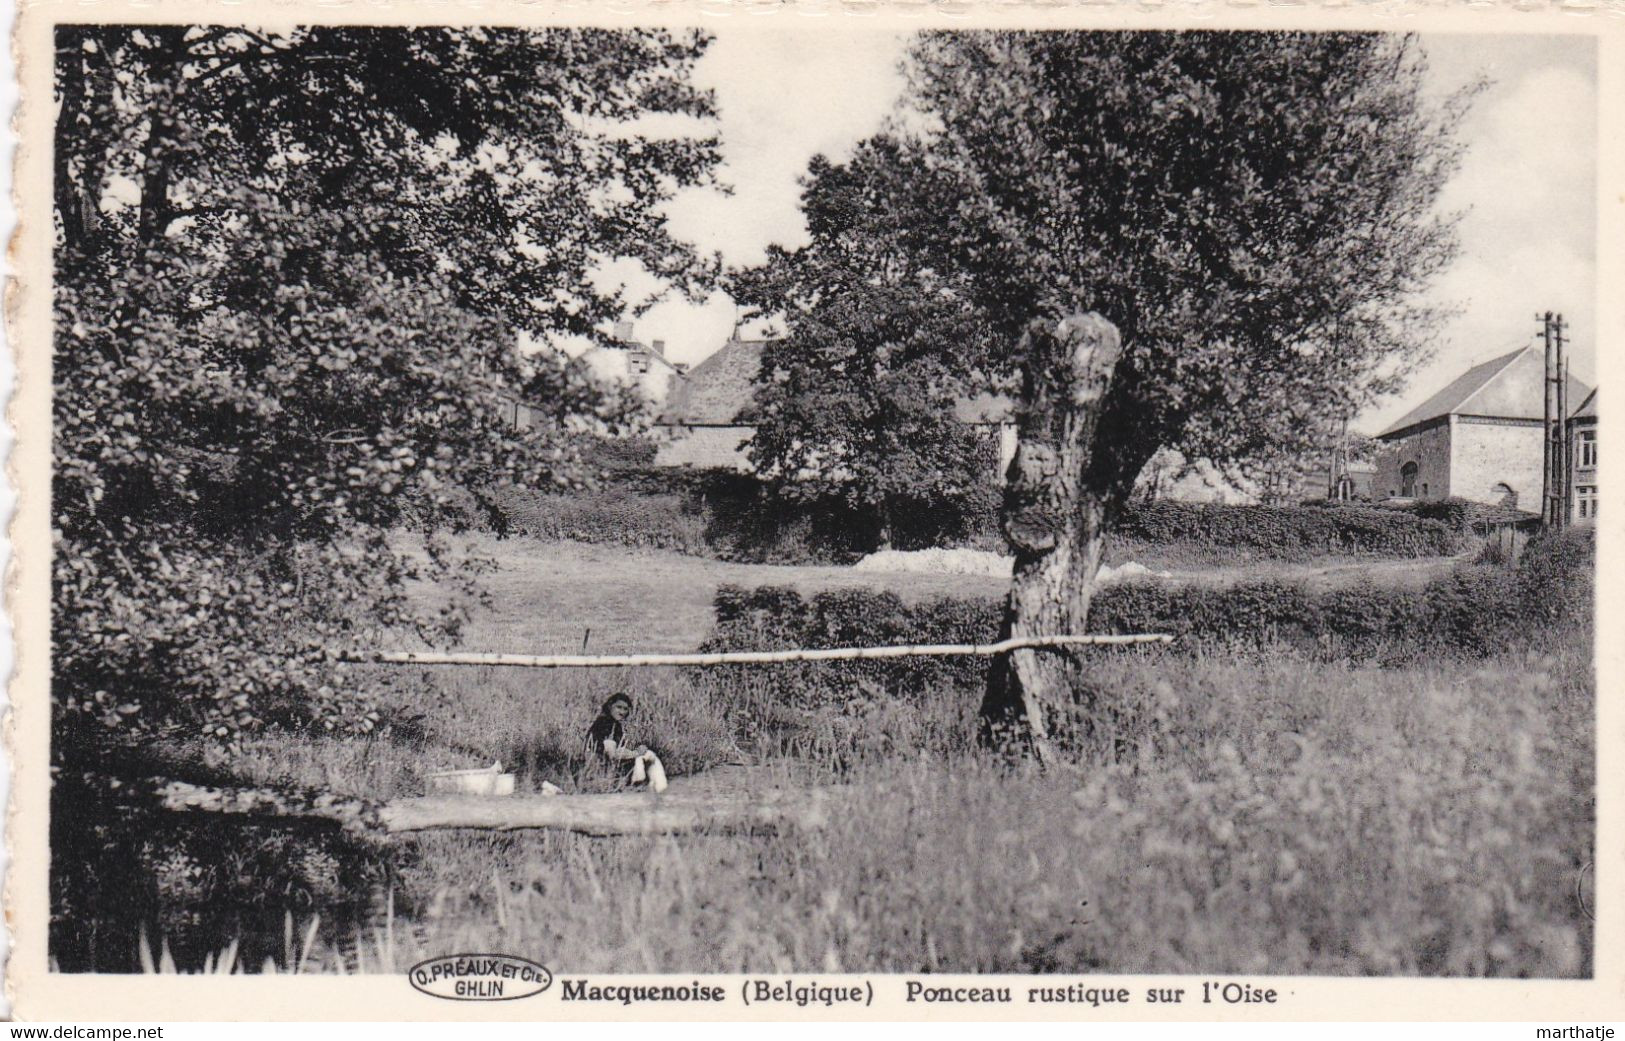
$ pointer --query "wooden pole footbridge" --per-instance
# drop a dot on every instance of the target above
(711, 658)
(614, 813)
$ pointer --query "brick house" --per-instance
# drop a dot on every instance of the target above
(1583, 433)
(1478, 438)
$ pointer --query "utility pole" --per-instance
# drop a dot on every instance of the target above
(1565, 450)
(1546, 468)
(1340, 485)
(1555, 469)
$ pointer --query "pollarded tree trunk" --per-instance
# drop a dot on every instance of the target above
(1054, 521)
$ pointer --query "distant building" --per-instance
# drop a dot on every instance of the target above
(995, 414)
(1583, 436)
(1354, 481)
(711, 410)
(1479, 438)
(711, 413)
(629, 363)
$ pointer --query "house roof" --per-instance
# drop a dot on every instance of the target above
(1505, 387)
(1587, 409)
(719, 391)
(627, 347)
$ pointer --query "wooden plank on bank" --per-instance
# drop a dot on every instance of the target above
(615, 813)
(599, 661)
(620, 813)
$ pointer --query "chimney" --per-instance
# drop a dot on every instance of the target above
(658, 347)
(623, 332)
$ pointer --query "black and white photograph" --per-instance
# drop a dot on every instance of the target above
(874, 503)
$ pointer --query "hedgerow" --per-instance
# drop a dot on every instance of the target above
(734, 516)
(1463, 516)
(1288, 531)
(1470, 613)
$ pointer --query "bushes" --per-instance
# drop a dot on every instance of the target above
(777, 617)
(838, 712)
(728, 515)
(1462, 516)
(725, 515)
(1287, 532)
(1471, 612)
(611, 514)
(1557, 575)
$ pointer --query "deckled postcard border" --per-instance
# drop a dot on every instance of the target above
(39, 994)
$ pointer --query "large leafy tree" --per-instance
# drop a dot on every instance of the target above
(1211, 242)
(291, 269)
(857, 401)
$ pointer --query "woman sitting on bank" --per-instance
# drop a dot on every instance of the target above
(606, 742)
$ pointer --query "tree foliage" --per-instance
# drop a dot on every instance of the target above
(291, 270)
(857, 402)
(1254, 212)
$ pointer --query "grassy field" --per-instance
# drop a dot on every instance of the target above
(1262, 814)
(551, 597)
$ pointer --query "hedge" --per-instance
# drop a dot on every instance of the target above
(1288, 530)
(1462, 516)
(734, 516)
(1471, 612)
(780, 618)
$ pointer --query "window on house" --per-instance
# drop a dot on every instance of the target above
(1503, 495)
(640, 365)
(1588, 448)
(1585, 501)
(1424, 489)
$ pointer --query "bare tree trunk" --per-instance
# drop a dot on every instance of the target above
(163, 129)
(71, 198)
(1054, 521)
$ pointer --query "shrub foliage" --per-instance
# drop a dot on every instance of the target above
(1288, 531)
(299, 338)
(734, 516)
(1471, 612)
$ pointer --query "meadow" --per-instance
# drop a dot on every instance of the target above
(1260, 810)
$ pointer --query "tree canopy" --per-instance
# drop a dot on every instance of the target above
(1255, 213)
(291, 272)
(858, 401)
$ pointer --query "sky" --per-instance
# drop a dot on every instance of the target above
(1527, 185)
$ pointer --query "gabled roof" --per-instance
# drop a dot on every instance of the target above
(1510, 386)
(629, 348)
(719, 391)
(1587, 409)
(1451, 397)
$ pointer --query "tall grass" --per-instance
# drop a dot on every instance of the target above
(534, 723)
(1428, 821)
(1260, 815)
(1267, 809)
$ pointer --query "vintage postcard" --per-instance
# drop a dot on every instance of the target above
(706, 511)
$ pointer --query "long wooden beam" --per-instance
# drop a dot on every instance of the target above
(614, 813)
(599, 661)
(621, 813)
